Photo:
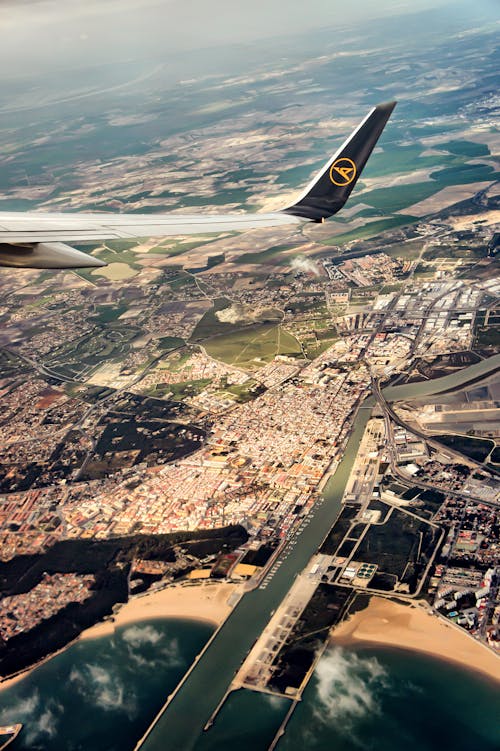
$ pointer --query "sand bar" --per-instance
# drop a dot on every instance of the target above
(413, 627)
(201, 602)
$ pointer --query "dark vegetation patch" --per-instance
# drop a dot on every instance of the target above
(377, 505)
(109, 561)
(443, 365)
(346, 548)
(384, 582)
(339, 530)
(325, 609)
(475, 448)
(259, 557)
(270, 255)
(401, 546)
(136, 429)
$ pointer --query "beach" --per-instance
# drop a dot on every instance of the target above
(200, 602)
(412, 627)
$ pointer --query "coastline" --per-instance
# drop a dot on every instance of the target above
(199, 602)
(412, 627)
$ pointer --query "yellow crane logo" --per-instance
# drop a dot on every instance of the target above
(342, 171)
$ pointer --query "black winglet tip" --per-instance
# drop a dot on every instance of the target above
(387, 106)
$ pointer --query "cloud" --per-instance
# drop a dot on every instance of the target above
(349, 687)
(167, 651)
(46, 724)
(305, 265)
(27, 706)
(276, 702)
(40, 718)
(138, 635)
(103, 688)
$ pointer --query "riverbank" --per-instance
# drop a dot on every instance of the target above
(413, 627)
(200, 602)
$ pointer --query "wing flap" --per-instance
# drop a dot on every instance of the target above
(36, 227)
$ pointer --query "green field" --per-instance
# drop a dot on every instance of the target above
(408, 251)
(399, 197)
(270, 254)
(252, 346)
(209, 324)
(182, 389)
(371, 229)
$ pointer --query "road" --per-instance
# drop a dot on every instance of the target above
(186, 713)
(392, 417)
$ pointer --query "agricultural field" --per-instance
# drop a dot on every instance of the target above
(253, 346)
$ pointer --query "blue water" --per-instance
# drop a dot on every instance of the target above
(392, 700)
(101, 695)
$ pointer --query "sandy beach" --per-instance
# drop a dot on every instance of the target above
(201, 602)
(412, 627)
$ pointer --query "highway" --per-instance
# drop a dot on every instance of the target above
(392, 417)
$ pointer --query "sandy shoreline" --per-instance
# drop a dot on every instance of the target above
(411, 627)
(200, 602)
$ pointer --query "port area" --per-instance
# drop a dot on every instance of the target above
(257, 670)
(8, 734)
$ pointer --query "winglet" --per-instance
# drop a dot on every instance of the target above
(332, 186)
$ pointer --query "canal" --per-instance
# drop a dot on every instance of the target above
(184, 719)
(181, 723)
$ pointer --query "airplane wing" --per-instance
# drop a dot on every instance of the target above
(42, 240)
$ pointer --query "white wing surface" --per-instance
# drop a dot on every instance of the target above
(40, 240)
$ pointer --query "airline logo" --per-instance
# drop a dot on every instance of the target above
(342, 171)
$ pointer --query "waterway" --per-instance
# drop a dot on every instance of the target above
(101, 694)
(181, 727)
(437, 385)
(368, 699)
(182, 723)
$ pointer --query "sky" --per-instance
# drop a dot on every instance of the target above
(40, 35)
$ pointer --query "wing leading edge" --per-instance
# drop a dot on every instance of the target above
(39, 240)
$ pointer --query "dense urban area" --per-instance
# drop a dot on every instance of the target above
(223, 399)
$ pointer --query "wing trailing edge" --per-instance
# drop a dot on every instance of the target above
(39, 240)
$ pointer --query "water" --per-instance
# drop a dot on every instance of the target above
(378, 698)
(101, 694)
(437, 385)
(369, 699)
(182, 723)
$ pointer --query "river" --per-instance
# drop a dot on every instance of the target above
(182, 722)
(43, 692)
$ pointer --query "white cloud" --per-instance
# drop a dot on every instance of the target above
(348, 687)
(137, 635)
(104, 688)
